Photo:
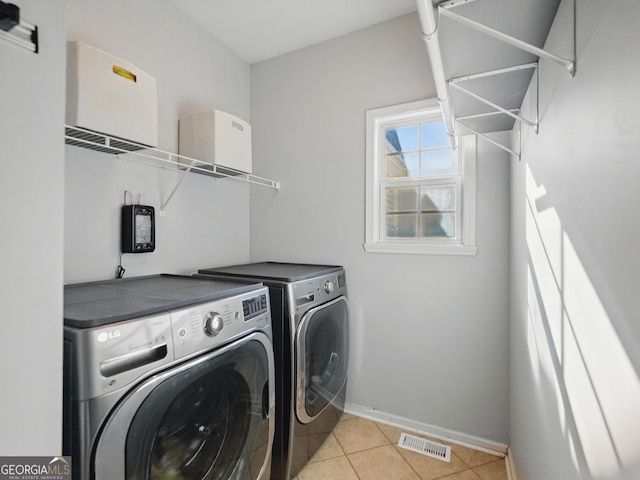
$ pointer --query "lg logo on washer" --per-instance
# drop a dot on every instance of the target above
(106, 336)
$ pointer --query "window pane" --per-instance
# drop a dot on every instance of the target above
(438, 225)
(434, 135)
(437, 199)
(396, 167)
(393, 142)
(402, 199)
(402, 165)
(402, 226)
(439, 162)
(404, 139)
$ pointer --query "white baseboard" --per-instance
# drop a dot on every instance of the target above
(452, 436)
(511, 470)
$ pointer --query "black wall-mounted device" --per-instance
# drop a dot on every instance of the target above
(138, 229)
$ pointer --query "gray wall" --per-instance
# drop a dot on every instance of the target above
(206, 223)
(575, 333)
(31, 208)
(46, 197)
(429, 339)
(429, 333)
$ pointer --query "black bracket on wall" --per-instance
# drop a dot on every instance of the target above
(16, 30)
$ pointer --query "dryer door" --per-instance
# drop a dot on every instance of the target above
(322, 341)
(210, 418)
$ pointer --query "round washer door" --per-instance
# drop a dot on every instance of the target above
(208, 419)
(322, 341)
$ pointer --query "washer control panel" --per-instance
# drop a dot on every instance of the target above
(205, 326)
(112, 356)
(328, 286)
(213, 324)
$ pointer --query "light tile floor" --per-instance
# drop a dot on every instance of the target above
(360, 449)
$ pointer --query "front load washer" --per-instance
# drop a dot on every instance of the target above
(311, 335)
(168, 377)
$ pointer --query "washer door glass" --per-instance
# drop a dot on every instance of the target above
(208, 422)
(321, 357)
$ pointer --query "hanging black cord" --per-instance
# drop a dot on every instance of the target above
(120, 269)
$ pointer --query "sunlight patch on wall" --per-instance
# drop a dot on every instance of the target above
(546, 257)
(594, 350)
(580, 355)
(544, 369)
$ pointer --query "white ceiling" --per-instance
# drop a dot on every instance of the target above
(256, 30)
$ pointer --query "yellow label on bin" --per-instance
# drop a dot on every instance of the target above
(124, 73)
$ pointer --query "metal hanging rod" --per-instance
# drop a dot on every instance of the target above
(17, 30)
(527, 47)
(429, 23)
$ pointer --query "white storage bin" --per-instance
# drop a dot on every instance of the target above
(108, 95)
(216, 137)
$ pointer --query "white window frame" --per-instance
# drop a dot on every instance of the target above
(376, 241)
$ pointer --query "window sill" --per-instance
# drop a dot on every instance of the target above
(466, 250)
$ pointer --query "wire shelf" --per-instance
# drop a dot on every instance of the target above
(126, 149)
(81, 137)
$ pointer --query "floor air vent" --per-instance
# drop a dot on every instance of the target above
(426, 447)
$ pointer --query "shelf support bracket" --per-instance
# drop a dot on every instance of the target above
(164, 204)
(570, 65)
(514, 113)
(482, 115)
(17, 30)
(491, 73)
(495, 106)
(489, 139)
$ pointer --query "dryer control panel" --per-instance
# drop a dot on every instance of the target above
(306, 294)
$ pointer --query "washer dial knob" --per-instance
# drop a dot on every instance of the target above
(213, 324)
(328, 286)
